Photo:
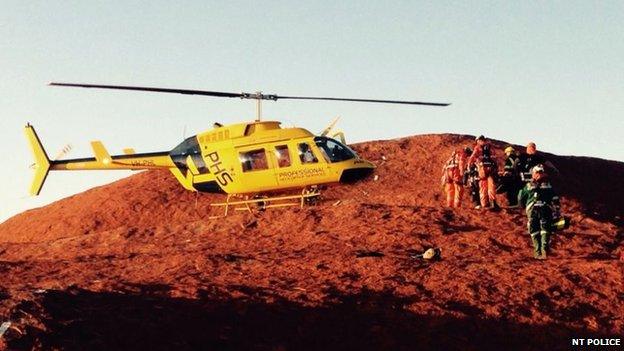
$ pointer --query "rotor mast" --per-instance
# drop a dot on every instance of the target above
(258, 106)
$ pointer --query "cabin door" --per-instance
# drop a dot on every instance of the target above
(257, 168)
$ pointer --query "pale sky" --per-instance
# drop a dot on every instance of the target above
(551, 72)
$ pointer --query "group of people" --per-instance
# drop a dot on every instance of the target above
(524, 179)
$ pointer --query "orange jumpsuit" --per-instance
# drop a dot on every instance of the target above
(452, 178)
(487, 168)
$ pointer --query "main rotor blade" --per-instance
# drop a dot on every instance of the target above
(258, 96)
(364, 100)
(158, 90)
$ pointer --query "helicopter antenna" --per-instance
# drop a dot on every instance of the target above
(258, 96)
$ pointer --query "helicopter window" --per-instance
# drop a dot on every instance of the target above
(253, 160)
(282, 155)
(305, 154)
(332, 150)
(190, 146)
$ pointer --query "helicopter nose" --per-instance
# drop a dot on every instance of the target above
(354, 174)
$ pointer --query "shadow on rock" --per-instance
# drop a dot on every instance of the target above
(78, 319)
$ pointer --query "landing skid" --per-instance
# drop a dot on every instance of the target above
(263, 202)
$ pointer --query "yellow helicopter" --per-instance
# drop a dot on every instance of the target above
(242, 160)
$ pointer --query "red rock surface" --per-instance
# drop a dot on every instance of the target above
(138, 264)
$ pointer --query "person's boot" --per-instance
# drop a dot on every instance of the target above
(545, 245)
(537, 252)
(494, 206)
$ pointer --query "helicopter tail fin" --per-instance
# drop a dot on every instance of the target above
(101, 155)
(42, 162)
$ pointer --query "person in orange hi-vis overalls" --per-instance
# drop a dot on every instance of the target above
(483, 157)
(453, 178)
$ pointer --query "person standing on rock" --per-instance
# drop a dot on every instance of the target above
(453, 178)
(532, 158)
(487, 167)
(471, 180)
(539, 199)
(510, 182)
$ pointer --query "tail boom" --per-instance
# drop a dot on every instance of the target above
(151, 160)
(102, 160)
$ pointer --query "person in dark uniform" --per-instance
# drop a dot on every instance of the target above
(531, 159)
(510, 181)
(471, 180)
(540, 201)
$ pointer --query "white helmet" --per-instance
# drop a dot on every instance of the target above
(537, 169)
(431, 254)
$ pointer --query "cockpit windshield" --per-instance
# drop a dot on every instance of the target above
(189, 147)
(333, 151)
